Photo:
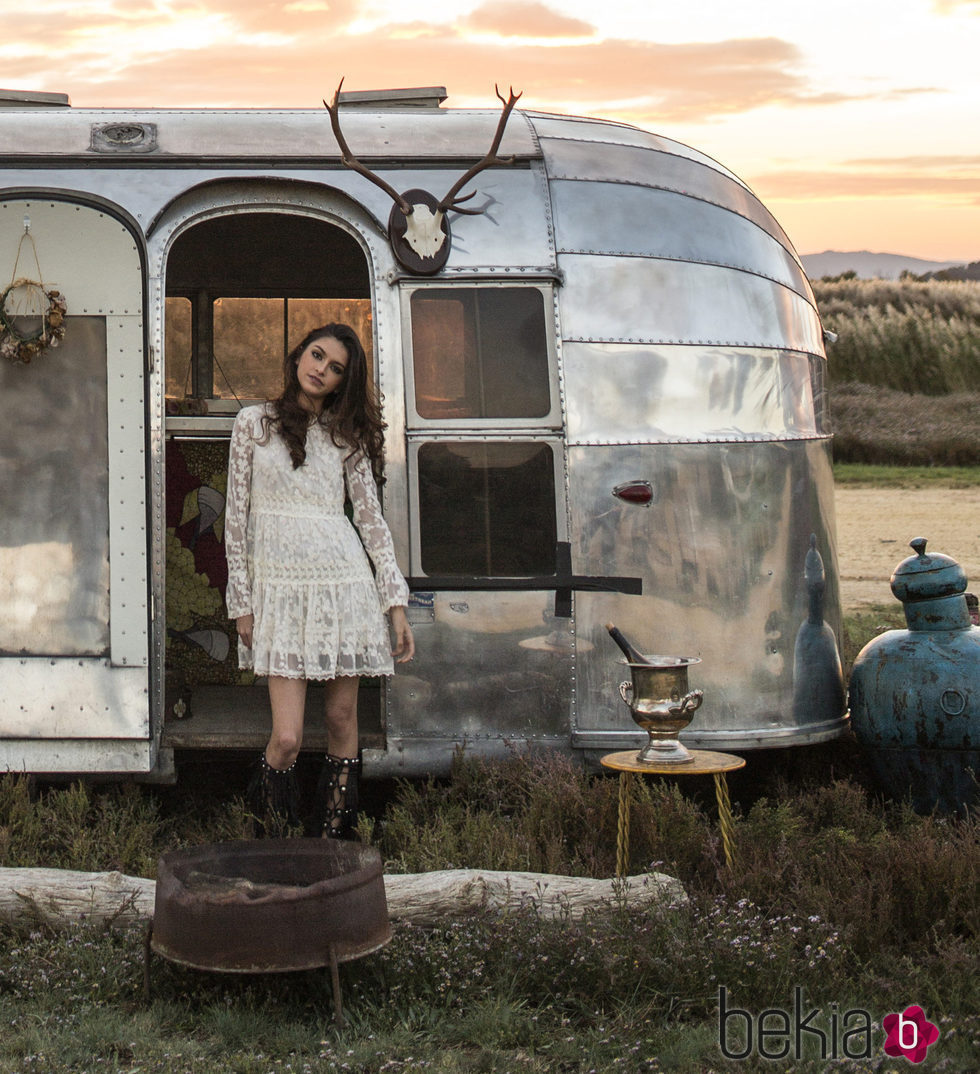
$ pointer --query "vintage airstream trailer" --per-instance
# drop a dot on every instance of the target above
(606, 402)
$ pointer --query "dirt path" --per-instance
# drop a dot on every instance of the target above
(874, 527)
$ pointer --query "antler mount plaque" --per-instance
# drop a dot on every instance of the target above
(418, 225)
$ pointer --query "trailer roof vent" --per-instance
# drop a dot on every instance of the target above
(392, 99)
(11, 98)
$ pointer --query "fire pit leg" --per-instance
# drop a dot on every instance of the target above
(338, 1008)
(147, 937)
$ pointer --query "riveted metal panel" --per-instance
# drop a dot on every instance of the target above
(622, 393)
(488, 666)
(101, 275)
(141, 192)
(583, 129)
(98, 269)
(128, 614)
(721, 552)
(511, 237)
(633, 299)
(286, 133)
(126, 755)
(645, 167)
(56, 698)
(646, 222)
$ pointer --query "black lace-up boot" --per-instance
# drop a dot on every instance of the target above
(273, 798)
(337, 797)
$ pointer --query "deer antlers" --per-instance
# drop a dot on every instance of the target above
(352, 162)
(418, 227)
(451, 201)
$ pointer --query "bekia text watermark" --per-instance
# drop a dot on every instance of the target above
(801, 1031)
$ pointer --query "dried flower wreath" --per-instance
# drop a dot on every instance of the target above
(17, 346)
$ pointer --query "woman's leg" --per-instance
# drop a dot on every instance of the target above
(337, 797)
(341, 715)
(288, 700)
(273, 793)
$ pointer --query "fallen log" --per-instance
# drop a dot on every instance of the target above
(60, 897)
(435, 897)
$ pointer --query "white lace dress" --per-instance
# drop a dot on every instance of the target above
(296, 562)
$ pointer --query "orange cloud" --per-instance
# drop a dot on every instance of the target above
(524, 18)
(944, 162)
(809, 185)
(652, 82)
(262, 16)
(253, 53)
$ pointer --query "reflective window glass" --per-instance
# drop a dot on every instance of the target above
(248, 338)
(480, 353)
(251, 338)
(179, 348)
(487, 508)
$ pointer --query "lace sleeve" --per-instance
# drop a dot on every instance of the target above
(238, 595)
(375, 535)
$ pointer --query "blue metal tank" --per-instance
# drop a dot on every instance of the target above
(915, 693)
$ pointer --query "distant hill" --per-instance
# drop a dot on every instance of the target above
(868, 265)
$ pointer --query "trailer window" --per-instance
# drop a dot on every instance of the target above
(252, 336)
(487, 508)
(249, 338)
(178, 347)
(480, 353)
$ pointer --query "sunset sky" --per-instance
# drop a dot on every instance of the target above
(856, 121)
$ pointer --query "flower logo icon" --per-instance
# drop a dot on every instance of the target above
(909, 1033)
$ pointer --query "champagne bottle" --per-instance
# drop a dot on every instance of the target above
(633, 656)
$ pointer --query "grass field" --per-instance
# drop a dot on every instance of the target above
(857, 901)
(871, 475)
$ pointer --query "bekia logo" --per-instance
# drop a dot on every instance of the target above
(800, 1033)
(909, 1034)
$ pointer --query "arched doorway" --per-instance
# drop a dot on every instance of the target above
(245, 287)
(242, 289)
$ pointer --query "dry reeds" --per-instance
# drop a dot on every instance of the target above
(911, 336)
(904, 371)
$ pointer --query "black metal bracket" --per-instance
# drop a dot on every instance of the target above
(562, 582)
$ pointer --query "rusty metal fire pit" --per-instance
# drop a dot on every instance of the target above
(269, 906)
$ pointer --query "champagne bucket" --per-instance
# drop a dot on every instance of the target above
(661, 703)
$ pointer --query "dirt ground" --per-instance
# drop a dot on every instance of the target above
(874, 527)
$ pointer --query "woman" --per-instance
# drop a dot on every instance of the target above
(300, 587)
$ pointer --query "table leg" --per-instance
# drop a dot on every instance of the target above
(623, 823)
(725, 821)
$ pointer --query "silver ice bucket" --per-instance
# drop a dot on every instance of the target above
(661, 703)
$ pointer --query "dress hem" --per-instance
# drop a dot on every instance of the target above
(319, 677)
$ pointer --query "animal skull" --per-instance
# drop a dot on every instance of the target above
(423, 230)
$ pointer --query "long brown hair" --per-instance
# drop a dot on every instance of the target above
(351, 414)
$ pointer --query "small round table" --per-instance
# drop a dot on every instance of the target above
(702, 763)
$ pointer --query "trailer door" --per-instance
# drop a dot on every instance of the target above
(73, 534)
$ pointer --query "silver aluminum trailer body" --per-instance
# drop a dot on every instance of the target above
(624, 312)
